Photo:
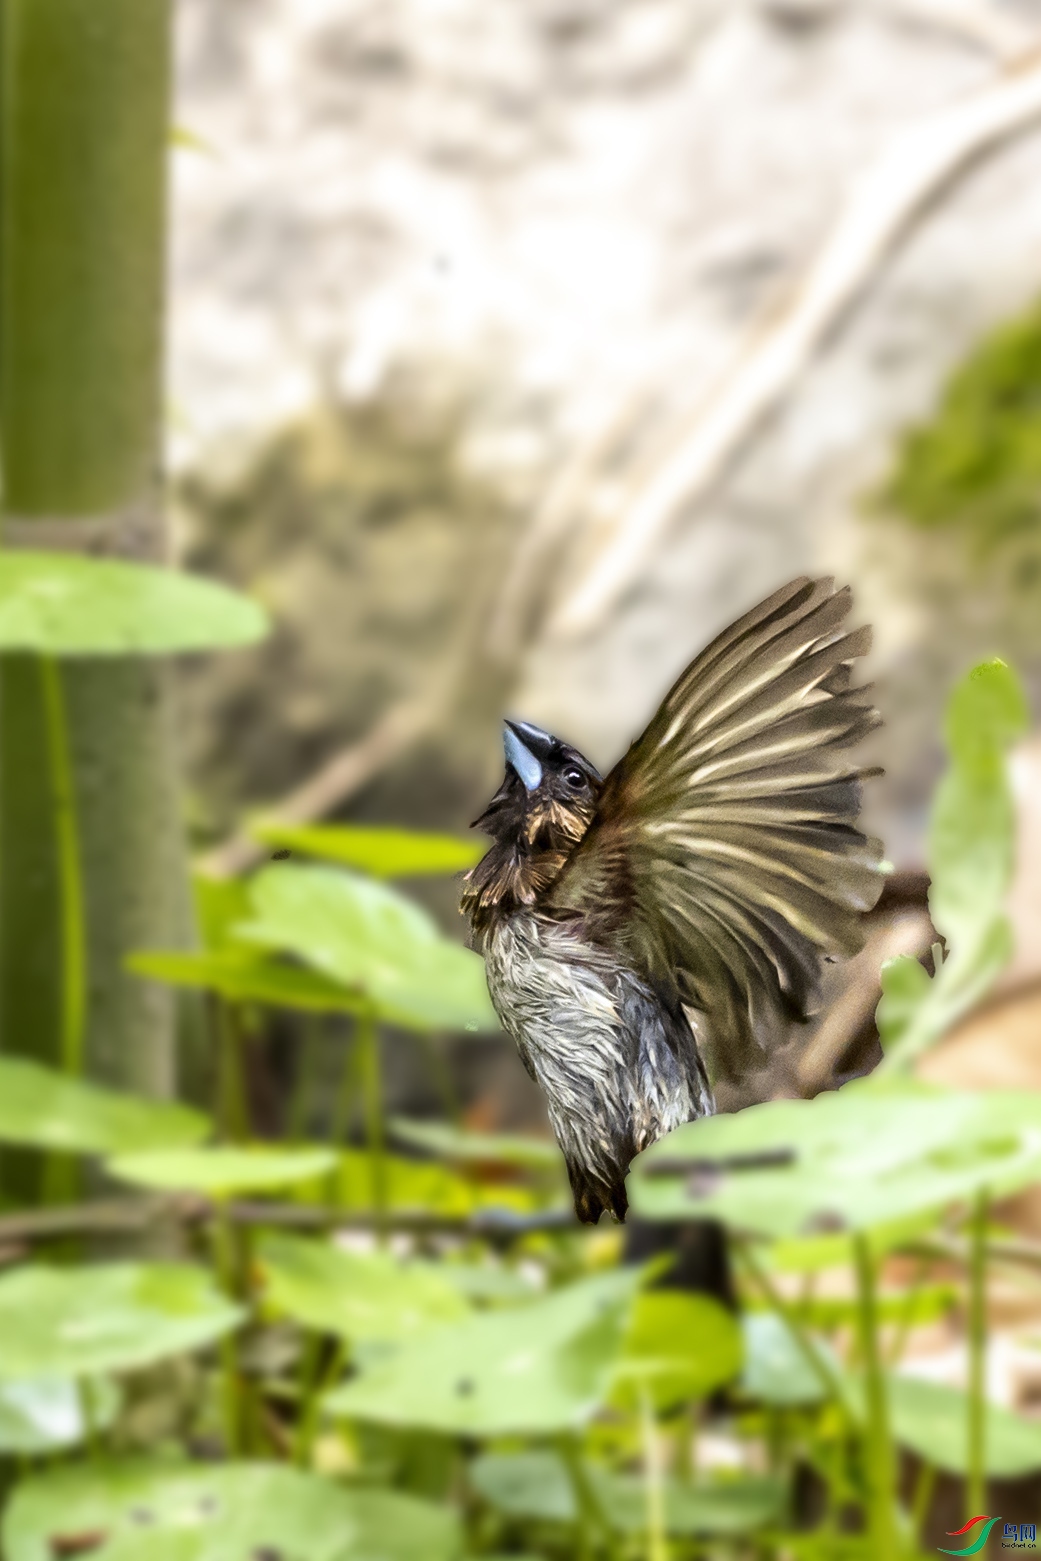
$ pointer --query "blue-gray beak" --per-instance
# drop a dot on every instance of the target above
(519, 755)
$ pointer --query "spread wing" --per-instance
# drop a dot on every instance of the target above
(723, 858)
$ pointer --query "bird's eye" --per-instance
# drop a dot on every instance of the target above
(575, 779)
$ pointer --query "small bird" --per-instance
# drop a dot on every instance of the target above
(687, 902)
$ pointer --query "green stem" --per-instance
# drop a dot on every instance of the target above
(442, 1077)
(343, 1107)
(906, 1320)
(925, 1485)
(881, 1483)
(591, 1515)
(315, 1383)
(73, 941)
(654, 1487)
(303, 1081)
(232, 1110)
(372, 1084)
(829, 1380)
(60, 1172)
(226, 1264)
(977, 1428)
(88, 1409)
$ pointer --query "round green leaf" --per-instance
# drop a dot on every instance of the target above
(222, 1172)
(81, 1321)
(40, 1414)
(535, 1487)
(678, 1346)
(382, 852)
(538, 1368)
(367, 1296)
(65, 605)
(871, 1153)
(932, 1419)
(243, 977)
(50, 1110)
(455, 1143)
(150, 1511)
(371, 938)
(776, 1371)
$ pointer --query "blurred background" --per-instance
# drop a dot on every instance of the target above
(504, 353)
(515, 350)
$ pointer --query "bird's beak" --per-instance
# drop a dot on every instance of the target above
(519, 740)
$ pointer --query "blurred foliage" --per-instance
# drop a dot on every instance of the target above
(466, 1373)
(374, 549)
(975, 468)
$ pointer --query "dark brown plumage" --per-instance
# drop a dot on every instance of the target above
(712, 870)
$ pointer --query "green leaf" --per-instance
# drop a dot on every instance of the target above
(380, 851)
(970, 857)
(40, 1414)
(456, 1143)
(220, 903)
(153, 1511)
(539, 1368)
(369, 937)
(776, 1371)
(244, 977)
(489, 1283)
(424, 1186)
(49, 1110)
(81, 1321)
(535, 1487)
(222, 1172)
(679, 1346)
(869, 1154)
(986, 712)
(360, 1296)
(909, 1027)
(65, 605)
(932, 1419)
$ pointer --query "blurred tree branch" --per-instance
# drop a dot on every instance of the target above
(886, 200)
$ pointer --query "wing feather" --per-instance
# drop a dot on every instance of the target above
(724, 856)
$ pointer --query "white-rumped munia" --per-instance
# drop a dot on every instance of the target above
(690, 896)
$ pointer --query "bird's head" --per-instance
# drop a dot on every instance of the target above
(548, 794)
(538, 815)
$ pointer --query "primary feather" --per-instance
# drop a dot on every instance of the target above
(723, 856)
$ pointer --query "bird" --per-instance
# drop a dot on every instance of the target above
(680, 909)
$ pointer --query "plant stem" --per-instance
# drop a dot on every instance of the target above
(232, 1110)
(303, 1081)
(369, 1048)
(657, 1544)
(977, 1427)
(832, 1384)
(73, 943)
(61, 1172)
(879, 1459)
(591, 1515)
(923, 1495)
(225, 1260)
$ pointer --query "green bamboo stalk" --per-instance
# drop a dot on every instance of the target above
(84, 116)
(879, 1458)
(976, 1493)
